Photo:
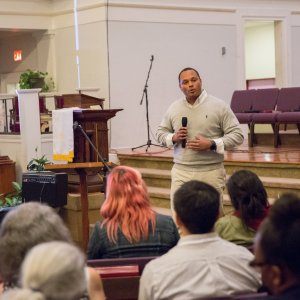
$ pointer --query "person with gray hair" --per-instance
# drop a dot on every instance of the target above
(22, 228)
(53, 270)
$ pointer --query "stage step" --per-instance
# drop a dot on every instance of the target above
(270, 169)
(277, 173)
(289, 137)
(274, 186)
(160, 197)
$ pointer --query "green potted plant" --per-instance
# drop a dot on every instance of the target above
(38, 164)
(10, 200)
(31, 79)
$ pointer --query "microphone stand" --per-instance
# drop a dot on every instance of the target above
(145, 93)
(106, 168)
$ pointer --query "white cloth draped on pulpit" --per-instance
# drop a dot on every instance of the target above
(63, 134)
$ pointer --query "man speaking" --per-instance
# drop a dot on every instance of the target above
(200, 127)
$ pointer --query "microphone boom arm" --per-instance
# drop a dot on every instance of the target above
(76, 125)
(146, 83)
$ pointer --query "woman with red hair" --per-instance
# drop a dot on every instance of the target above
(130, 227)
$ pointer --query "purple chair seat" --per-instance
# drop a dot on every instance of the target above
(244, 118)
(288, 117)
(264, 118)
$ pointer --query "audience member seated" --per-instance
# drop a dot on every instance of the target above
(23, 228)
(250, 202)
(277, 249)
(130, 227)
(202, 265)
(53, 270)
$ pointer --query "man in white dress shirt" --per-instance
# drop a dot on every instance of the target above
(202, 264)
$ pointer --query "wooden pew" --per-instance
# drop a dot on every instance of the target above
(109, 262)
(120, 276)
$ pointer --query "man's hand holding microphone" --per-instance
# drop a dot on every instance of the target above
(199, 143)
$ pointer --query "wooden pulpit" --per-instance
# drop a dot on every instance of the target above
(94, 123)
(86, 160)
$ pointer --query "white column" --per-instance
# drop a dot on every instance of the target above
(30, 126)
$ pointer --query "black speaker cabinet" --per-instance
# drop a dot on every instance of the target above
(47, 187)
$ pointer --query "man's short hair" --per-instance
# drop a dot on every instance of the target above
(197, 206)
(279, 234)
(187, 69)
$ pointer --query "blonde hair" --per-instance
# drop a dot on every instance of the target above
(53, 270)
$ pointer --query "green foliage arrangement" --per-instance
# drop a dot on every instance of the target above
(38, 164)
(36, 79)
(12, 199)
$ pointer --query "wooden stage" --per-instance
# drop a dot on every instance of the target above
(243, 153)
(278, 168)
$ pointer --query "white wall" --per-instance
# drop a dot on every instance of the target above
(131, 46)
(260, 50)
(66, 71)
(92, 51)
(295, 50)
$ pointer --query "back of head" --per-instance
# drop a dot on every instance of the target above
(54, 270)
(248, 195)
(197, 206)
(127, 205)
(279, 234)
(26, 226)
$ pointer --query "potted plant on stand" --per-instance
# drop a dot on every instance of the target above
(31, 79)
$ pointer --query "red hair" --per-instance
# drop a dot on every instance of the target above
(127, 205)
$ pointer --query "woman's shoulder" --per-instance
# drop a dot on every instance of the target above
(161, 218)
(228, 221)
(99, 229)
(164, 222)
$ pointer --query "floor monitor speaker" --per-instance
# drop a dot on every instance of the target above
(47, 187)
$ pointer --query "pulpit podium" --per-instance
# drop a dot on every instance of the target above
(94, 123)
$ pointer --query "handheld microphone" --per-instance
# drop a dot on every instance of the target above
(184, 121)
(152, 57)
